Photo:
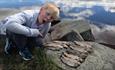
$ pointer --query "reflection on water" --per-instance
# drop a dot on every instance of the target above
(95, 10)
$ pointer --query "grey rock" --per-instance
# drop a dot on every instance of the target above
(70, 30)
(65, 56)
(70, 49)
(100, 57)
(103, 58)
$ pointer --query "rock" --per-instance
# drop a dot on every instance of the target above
(93, 56)
(69, 47)
(87, 35)
(65, 56)
(103, 34)
(71, 30)
(102, 58)
(72, 36)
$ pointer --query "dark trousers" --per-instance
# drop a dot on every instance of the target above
(21, 42)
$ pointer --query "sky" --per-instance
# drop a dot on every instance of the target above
(18, 0)
(7, 1)
(19, 3)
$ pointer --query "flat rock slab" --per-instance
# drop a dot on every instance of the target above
(81, 55)
(68, 54)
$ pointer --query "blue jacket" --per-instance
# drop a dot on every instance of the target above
(25, 23)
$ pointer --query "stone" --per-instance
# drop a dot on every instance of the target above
(69, 30)
(67, 56)
(100, 57)
(72, 47)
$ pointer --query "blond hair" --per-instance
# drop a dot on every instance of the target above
(53, 9)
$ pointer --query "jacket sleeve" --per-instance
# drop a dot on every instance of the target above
(46, 28)
(15, 24)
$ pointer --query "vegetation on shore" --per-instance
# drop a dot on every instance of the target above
(15, 62)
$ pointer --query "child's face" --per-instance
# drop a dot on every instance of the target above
(45, 16)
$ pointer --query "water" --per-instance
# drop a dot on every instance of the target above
(102, 11)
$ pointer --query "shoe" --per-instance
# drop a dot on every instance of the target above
(8, 47)
(26, 55)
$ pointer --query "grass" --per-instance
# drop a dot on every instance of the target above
(15, 62)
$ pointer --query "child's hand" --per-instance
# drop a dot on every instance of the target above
(40, 35)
